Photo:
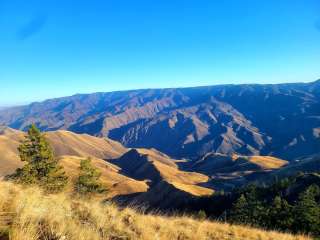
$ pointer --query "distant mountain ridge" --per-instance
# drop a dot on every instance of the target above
(282, 120)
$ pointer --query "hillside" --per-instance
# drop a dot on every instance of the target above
(151, 178)
(116, 183)
(9, 142)
(126, 173)
(213, 163)
(281, 120)
(289, 204)
(309, 164)
(167, 182)
(63, 143)
(35, 216)
(229, 171)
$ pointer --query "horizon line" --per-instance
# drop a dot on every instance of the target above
(6, 106)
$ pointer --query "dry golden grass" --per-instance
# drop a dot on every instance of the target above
(185, 181)
(116, 183)
(193, 189)
(157, 167)
(39, 216)
(176, 175)
(268, 162)
(69, 143)
(71, 148)
(9, 159)
(158, 156)
(63, 143)
(79, 146)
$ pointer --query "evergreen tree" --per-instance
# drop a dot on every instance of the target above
(307, 211)
(256, 210)
(201, 215)
(280, 214)
(88, 180)
(40, 167)
(239, 212)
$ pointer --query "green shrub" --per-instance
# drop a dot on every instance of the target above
(88, 180)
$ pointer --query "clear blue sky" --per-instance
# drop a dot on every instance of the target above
(62, 47)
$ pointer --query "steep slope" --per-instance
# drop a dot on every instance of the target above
(137, 170)
(116, 183)
(9, 159)
(214, 163)
(305, 165)
(145, 166)
(68, 143)
(71, 148)
(166, 195)
(63, 143)
(227, 172)
(140, 166)
(169, 186)
(281, 120)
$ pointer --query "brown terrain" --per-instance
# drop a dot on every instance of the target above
(123, 173)
(146, 176)
(282, 120)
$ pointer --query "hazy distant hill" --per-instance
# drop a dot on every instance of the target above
(282, 120)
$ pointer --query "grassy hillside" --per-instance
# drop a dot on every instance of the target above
(33, 215)
(169, 186)
(62, 142)
(116, 183)
(227, 172)
(215, 163)
(131, 175)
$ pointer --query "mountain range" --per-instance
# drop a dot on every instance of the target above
(282, 120)
(149, 177)
(165, 148)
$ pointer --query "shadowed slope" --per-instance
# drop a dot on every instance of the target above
(305, 165)
(214, 163)
(227, 172)
(142, 164)
(136, 163)
(169, 186)
(116, 183)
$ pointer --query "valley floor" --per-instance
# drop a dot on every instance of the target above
(57, 217)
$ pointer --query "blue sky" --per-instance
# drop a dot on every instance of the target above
(61, 47)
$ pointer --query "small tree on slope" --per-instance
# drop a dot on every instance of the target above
(41, 166)
(88, 180)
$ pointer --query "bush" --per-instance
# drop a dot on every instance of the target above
(201, 215)
(88, 180)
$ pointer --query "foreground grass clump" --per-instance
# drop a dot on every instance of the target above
(58, 216)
